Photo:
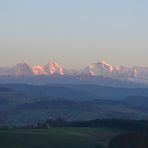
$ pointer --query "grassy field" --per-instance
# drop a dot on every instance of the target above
(56, 138)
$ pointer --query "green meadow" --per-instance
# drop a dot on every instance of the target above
(56, 138)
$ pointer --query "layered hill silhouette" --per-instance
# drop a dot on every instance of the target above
(21, 104)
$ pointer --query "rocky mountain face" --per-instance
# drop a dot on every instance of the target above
(103, 69)
(138, 74)
(24, 69)
(50, 69)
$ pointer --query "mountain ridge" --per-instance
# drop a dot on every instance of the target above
(102, 69)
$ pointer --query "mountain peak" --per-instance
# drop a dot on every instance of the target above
(50, 68)
(22, 64)
(107, 64)
(99, 69)
(104, 62)
(53, 63)
(21, 69)
(38, 70)
(54, 68)
(102, 68)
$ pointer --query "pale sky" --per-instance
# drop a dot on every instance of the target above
(74, 33)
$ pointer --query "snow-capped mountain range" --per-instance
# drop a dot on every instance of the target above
(24, 69)
(136, 74)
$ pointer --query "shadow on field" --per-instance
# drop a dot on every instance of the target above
(129, 140)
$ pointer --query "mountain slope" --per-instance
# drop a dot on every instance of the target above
(137, 101)
(21, 104)
(77, 92)
(93, 73)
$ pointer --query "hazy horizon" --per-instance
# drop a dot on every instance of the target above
(74, 33)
